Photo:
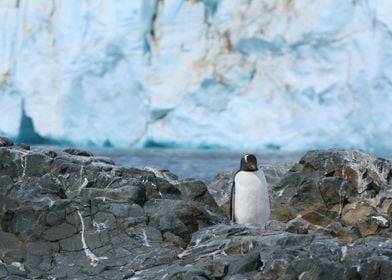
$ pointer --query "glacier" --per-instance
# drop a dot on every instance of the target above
(233, 74)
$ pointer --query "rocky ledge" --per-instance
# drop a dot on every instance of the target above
(68, 215)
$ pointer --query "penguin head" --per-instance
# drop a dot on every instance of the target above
(248, 163)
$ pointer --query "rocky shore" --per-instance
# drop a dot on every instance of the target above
(71, 215)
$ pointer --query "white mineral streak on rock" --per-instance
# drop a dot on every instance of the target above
(145, 239)
(300, 277)
(94, 260)
(99, 226)
(19, 265)
(344, 253)
(381, 221)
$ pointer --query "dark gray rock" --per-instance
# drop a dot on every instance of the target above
(39, 248)
(78, 152)
(196, 191)
(59, 232)
(157, 188)
(65, 164)
(71, 244)
(23, 221)
(10, 246)
(125, 193)
(99, 238)
(174, 216)
(120, 210)
(40, 256)
(220, 189)
(78, 216)
(238, 252)
(57, 213)
(175, 240)
(5, 142)
(7, 165)
(36, 164)
(6, 183)
(243, 263)
(3, 271)
(50, 184)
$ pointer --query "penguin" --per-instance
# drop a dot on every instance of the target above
(249, 196)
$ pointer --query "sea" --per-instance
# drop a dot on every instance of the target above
(197, 164)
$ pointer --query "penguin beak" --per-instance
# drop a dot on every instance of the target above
(252, 166)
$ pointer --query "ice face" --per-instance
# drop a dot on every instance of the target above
(234, 73)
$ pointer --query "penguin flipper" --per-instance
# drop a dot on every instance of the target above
(232, 203)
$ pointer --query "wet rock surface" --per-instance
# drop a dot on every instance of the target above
(71, 215)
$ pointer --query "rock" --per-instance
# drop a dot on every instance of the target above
(39, 248)
(36, 164)
(157, 188)
(23, 221)
(52, 185)
(238, 252)
(10, 246)
(5, 142)
(244, 263)
(177, 241)
(78, 152)
(125, 193)
(8, 166)
(40, 256)
(368, 227)
(220, 189)
(57, 213)
(81, 217)
(353, 212)
(59, 232)
(335, 185)
(174, 216)
(71, 244)
(6, 183)
(194, 190)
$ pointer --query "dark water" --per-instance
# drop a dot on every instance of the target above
(198, 164)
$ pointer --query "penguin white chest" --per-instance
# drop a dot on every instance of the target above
(251, 198)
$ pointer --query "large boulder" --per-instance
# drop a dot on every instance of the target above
(324, 188)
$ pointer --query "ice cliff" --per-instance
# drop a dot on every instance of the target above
(236, 73)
